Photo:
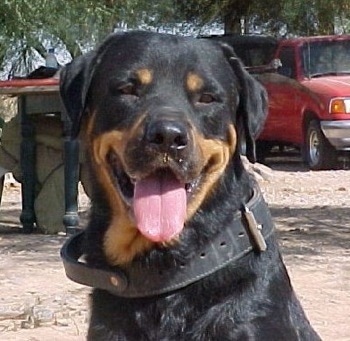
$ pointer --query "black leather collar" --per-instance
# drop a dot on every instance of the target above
(248, 231)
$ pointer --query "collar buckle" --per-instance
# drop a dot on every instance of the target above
(254, 230)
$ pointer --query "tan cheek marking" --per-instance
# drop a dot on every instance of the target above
(122, 241)
(217, 155)
(90, 125)
(194, 82)
(101, 146)
(145, 76)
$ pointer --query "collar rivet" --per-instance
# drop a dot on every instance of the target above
(114, 280)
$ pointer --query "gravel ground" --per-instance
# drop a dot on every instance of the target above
(311, 211)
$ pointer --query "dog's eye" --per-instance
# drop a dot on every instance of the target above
(128, 89)
(206, 98)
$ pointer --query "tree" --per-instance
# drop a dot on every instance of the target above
(29, 27)
(229, 12)
(314, 16)
(300, 16)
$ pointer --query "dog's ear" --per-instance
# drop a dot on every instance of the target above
(75, 80)
(253, 104)
(252, 109)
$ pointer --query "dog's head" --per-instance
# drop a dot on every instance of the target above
(162, 116)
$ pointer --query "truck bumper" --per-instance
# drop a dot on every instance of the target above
(337, 133)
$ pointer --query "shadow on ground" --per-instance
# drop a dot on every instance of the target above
(309, 230)
(292, 161)
(301, 230)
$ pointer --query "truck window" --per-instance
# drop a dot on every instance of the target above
(326, 57)
(288, 62)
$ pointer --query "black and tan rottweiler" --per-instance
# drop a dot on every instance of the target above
(180, 243)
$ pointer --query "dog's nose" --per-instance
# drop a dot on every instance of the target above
(167, 135)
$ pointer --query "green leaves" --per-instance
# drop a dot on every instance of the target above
(29, 27)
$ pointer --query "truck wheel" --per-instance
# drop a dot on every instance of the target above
(319, 153)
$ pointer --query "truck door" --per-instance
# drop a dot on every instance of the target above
(282, 89)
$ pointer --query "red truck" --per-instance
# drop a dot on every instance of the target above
(309, 99)
(309, 93)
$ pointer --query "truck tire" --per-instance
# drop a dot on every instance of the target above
(319, 153)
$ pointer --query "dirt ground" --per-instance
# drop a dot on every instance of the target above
(312, 215)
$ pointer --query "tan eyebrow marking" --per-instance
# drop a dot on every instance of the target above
(194, 82)
(145, 76)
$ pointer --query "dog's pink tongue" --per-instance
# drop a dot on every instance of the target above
(160, 207)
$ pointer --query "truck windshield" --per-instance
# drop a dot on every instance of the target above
(326, 58)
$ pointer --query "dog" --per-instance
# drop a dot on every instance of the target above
(180, 244)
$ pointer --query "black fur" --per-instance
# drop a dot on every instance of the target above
(251, 299)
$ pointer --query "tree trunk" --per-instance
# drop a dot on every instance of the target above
(232, 24)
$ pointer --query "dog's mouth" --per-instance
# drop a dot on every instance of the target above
(157, 200)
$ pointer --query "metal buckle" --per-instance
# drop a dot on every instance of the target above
(255, 230)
